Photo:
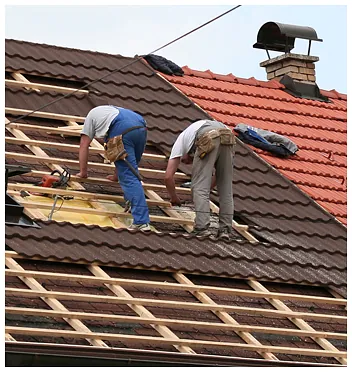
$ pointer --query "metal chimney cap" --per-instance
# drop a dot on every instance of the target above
(280, 37)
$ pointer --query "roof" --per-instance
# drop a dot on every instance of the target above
(319, 129)
(301, 246)
(285, 216)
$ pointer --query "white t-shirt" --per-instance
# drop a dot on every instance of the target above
(98, 120)
(185, 140)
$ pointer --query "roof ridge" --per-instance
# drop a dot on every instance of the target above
(271, 84)
(65, 48)
(232, 78)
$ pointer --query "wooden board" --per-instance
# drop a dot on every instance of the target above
(172, 304)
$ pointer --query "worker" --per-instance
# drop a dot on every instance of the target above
(107, 122)
(207, 144)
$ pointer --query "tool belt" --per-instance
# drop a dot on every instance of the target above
(114, 148)
(205, 143)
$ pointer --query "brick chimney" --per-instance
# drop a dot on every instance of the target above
(298, 66)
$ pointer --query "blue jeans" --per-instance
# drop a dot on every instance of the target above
(134, 143)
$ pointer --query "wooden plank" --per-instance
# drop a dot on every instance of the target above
(184, 284)
(53, 303)
(78, 194)
(171, 212)
(172, 304)
(8, 337)
(21, 79)
(99, 212)
(225, 317)
(43, 87)
(297, 320)
(40, 128)
(45, 115)
(71, 148)
(171, 322)
(105, 181)
(139, 309)
(32, 158)
(168, 341)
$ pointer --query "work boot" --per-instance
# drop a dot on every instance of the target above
(224, 233)
(201, 233)
(140, 226)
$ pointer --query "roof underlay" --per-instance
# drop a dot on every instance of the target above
(283, 242)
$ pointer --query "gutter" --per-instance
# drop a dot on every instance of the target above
(29, 354)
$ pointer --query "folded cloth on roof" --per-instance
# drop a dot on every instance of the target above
(164, 65)
(275, 143)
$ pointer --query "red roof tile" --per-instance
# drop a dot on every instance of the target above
(319, 129)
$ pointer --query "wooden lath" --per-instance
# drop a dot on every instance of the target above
(43, 87)
(105, 181)
(49, 160)
(162, 325)
(54, 303)
(102, 212)
(77, 194)
(170, 341)
(173, 304)
(139, 309)
(186, 324)
(298, 321)
(44, 115)
(183, 284)
(20, 79)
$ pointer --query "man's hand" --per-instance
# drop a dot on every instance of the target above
(82, 175)
(175, 201)
(112, 177)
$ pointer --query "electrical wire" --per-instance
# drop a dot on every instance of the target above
(120, 68)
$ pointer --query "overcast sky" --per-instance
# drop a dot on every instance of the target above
(224, 46)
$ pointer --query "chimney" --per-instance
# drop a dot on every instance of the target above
(296, 72)
(281, 38)
(298, 66)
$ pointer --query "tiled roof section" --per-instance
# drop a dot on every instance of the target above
(177, 252)
(133, 87)
(319, 129)
(275, 210)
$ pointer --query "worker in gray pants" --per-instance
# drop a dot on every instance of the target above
(208, 144)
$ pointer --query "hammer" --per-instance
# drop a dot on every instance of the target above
(122, 156)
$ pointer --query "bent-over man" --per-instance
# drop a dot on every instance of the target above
(107, 122)
(208, 144)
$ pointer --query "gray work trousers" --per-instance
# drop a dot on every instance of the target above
(221, 158)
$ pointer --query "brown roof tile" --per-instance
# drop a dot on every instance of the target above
(177, 252)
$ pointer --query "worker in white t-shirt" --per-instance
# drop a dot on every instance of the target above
(106, 122)
(221, 158)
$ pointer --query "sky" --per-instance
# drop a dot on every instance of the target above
(224, 46)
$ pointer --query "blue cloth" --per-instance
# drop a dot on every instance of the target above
(255, 135)
(134, 143)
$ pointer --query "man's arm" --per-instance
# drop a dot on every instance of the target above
(83, 155)
(169, 179)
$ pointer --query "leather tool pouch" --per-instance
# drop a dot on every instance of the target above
(114, 149)
(227, 137)
(205, 143)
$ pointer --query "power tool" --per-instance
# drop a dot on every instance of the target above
(50, 180)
